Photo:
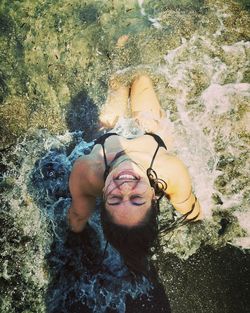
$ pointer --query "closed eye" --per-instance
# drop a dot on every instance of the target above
(137, 200)
(114, 200)
(138, 204)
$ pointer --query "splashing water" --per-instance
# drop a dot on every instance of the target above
(76, 282)
(59, 57)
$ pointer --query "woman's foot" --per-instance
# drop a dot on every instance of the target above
(122, 40)
(116, 105)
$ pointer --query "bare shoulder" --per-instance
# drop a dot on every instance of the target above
(85, 176)
(172, 162)
(173, 171)
(79, 171)
(81, 165)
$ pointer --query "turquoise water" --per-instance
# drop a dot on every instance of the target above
(56, 59)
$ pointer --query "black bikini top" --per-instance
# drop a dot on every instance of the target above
(158, 184)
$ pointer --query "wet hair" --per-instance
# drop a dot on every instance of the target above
(133, 242)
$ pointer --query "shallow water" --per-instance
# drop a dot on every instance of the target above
(56, 59)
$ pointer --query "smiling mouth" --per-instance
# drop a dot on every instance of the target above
(127, 175)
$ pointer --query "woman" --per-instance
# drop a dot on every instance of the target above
(132, 175)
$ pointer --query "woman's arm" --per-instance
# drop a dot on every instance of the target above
(82, 202)
(191, 204)
(79, 212)
(179, 189)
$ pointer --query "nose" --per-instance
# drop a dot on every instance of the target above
(127, 186)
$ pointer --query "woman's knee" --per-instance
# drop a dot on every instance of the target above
(142, 81)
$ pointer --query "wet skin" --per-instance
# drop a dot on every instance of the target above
(129, 198)
(86, 181)
(127, 195)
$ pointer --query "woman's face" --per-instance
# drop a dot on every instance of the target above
(127, 194)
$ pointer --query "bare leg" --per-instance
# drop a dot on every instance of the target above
(145, 106)
(116, 105)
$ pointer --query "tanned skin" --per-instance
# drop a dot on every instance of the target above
(127, 189)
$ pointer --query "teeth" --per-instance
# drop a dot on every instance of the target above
(126, 176)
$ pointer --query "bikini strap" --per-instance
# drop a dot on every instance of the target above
(158, 184)
(160, 144)
(101, 140)
(158, 139)
(153, 158)
(108, 166)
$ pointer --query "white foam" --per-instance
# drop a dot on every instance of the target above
(218, 99)
(155, 22)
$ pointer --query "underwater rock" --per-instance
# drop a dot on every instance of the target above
(14, 120)
(51, 175)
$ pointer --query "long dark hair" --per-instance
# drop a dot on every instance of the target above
(133, 243)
